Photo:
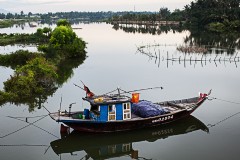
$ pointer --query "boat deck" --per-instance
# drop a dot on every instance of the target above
(172, 106)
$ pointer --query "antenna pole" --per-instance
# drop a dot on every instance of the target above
(118, 88)
(143, 89)
(59, 111)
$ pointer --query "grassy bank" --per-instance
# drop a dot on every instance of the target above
(5, 23)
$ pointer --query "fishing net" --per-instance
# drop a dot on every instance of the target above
(146, 109)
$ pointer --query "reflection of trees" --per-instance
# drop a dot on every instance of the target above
(213, 42)
(37, 91)
(224, 42)
(31, 84)
(147, 29)
(33, 101)
(65, 69)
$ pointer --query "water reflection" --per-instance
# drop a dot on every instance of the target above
(217, 43)
(103, 146)
(65, 69)
(147, 29)
(48, 88)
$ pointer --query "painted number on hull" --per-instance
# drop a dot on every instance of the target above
(162, 119)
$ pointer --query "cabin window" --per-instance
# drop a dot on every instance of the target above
(126, 106)
(111, 108)
(95, 108)
(126, 147)
(126, 111)
(111, 112)
(112, 149)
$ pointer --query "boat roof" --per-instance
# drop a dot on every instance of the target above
(107, 99)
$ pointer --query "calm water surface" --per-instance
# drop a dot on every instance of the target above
(113, 61)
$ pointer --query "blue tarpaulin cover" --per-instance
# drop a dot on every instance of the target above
(146, 109)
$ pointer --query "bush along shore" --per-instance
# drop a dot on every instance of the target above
(39, 37)
(37, 75)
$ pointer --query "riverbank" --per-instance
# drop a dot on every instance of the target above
(4, 23)
(151, 23)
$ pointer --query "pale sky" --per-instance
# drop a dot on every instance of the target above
(44, 6)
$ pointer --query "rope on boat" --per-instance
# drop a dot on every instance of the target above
(221, 121)
(141, 89)
(23, 145)
(22, 128)
(46, 109)
(233, 115)
(29, 124)
(37, 126)
(214, 98)
(28, 117)
(110, 92)
(130, 92)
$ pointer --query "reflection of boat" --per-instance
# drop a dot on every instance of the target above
(32, 24)
(110, 113)
(107, 145)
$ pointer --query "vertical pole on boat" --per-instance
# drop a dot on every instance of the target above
(118, 88)
(70, 107)
(59, 111)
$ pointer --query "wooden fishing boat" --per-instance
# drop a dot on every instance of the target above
(118, 112)
(112, 145)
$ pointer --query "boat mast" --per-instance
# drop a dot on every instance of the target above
(118, 88)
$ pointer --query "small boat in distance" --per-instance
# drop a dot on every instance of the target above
(119, 112)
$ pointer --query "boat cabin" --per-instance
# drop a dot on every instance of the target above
(109, 108)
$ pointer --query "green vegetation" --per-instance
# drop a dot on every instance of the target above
(215, 15)
(221, 42)
(72, 17)
(34, 38)
(8, 23)
(18, 58)
(30, 84)
(5, 24)
(64, 43)
(163, 15)
(38, 75)
(147, 29)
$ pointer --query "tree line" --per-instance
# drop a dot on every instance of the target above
(92, 16)
(163, 14)
(215, 15)
(15, 15)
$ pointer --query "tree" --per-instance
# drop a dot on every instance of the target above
(202, 13)
(47, 31)
(64, 43)
(63, 22)
(2, 16)
(9, 16)
(29, 14)
(39, 32)
(22, 13)
(164, 13)
(61, 36)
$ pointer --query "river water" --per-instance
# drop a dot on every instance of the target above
(212, 132)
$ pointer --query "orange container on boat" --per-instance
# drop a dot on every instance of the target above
(135, 97)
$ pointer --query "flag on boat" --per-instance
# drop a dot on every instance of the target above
(88, 92)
